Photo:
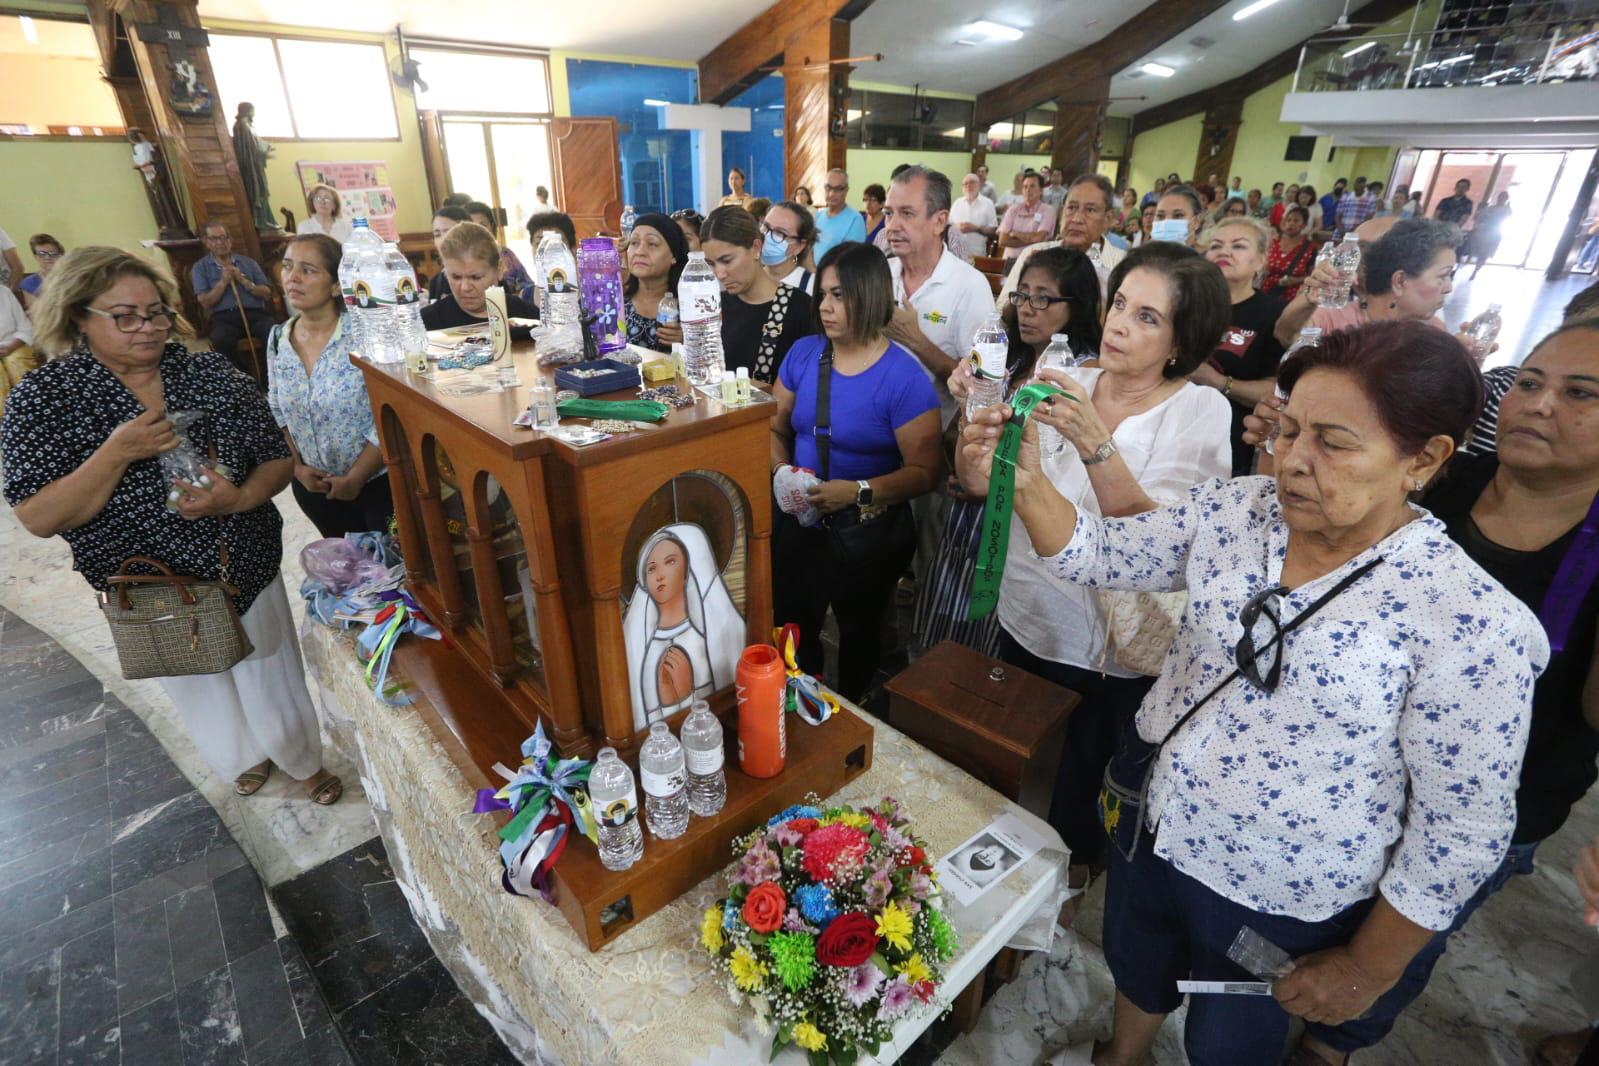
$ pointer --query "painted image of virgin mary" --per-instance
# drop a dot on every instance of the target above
(683, 633)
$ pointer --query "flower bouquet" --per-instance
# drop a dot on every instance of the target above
(831, 928)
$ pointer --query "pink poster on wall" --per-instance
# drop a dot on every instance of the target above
(363, 183)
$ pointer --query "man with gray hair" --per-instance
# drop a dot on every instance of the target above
(972, 220)
(837, 222)
(1084, 218)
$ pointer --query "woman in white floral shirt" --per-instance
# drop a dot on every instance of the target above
(1349, 786)
(319, 398)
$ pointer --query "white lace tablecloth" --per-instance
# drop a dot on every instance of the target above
(651, 997)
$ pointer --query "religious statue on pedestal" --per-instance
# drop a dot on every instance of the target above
(252, 154)
(158, 187)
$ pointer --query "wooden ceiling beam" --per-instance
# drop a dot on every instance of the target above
(736, 63)
(1147, 30)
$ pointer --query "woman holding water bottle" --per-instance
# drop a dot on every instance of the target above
(1133, 432)
(656, 252)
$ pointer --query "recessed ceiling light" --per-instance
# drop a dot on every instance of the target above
(1159, 70)
(983, 31)
(1256, 7)
(1359, 48)
(29, 33)
(648, 102)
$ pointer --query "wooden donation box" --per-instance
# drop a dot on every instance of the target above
(597, 589)
(999, 723)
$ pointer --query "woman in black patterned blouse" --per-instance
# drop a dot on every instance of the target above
(79, 443)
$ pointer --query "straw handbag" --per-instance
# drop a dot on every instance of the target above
(168, 625)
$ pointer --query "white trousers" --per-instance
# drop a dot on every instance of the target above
(260, 709)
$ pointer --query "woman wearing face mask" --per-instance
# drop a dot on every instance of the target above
(788, 234)
(1290, 256)
(1058, 293)
(472, 266)
(1244, 368)
(656, 254)
(765, 317)
(1408, 274)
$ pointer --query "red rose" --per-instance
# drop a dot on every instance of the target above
(802, 825)
(764, 907)
(848, 940)
(924, 990)
(917, 857)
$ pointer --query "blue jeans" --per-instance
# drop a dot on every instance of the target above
(1162, 926)
(1366, 1031)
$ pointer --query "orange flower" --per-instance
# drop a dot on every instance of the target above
(764, 907)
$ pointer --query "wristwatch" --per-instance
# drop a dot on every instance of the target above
(863, 494)
(1101, 453)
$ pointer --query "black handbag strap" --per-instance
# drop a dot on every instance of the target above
(823, 423)
(1298, 620)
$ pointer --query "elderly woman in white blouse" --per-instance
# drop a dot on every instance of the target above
(1143, 436)
(1335, 739)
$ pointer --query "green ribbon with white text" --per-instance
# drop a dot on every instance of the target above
(995, 541)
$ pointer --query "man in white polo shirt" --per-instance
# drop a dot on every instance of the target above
(972, 220)
(941, 301)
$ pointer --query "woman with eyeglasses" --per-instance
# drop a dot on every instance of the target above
(1137, 431)
(789, 232)
(1058, 294)
(655, 255)
(80, 441)
(47, 252)
(761, 318)
(1330, 754)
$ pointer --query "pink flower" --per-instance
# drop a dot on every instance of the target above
(785, 835)
(794, 922)
(833, 851)
(921, 885)
(878, 888)
(862, 983)
(897, 998)
(759, 864)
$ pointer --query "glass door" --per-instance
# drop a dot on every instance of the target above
(1528, 178)
(500, 160)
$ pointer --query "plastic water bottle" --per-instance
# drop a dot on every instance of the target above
(1346, 259)
(374, 306)
(662, 766)
(616, 810)
(409, 331)
(699, 301)
(666, 314)
(1484, 330)
(704, 753)
(564, 329)
(1057, 356)
(541, 274)
(629, 219)
(361, 239)
(990, 350)
(1308, 337)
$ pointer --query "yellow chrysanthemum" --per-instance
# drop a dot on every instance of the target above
(809, 1037)
(711, 930)
(748, 971)
(915, 970)
(854, 820)
(894, 925)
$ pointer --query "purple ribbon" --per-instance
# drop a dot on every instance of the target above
(487, 801)
(1574, 578)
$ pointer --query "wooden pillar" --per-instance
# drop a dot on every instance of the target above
(1217, 138)
(1079, 121)
(813, 103)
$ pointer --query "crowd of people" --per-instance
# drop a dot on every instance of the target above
(1375, 694)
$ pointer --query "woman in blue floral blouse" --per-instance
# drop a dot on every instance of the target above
(1348, 787)
(319, 400)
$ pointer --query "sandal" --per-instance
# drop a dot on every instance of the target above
(327, 791)
(250, 782)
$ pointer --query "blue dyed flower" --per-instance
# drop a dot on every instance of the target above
(730, 917)
(799, 810)
(816, 903)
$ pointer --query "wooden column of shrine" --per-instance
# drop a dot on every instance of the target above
(1217, 138)
(1079, 121)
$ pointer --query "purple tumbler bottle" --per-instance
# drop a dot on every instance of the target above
(599, 270)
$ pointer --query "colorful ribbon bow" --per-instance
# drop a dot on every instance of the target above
(804, 695)
(375, 645)
(549, 796)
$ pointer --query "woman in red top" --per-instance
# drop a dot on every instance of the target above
(1291, 257)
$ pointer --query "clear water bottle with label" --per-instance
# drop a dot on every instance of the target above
(615, 802)
(1346, 259)
(1484, 330)
(374, 306)
(1057, 356)
(564, 328)
(699, 302)
(629, 219)
(541, 274)
(1324, 254)
(990, 350)
(409, 332)
(361, 240)
(704, 752)
(1308, 337)
(667, 314)
(662, 766)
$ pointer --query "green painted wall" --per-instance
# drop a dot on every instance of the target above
(1164, 149)
(869, 165)
(80, 192)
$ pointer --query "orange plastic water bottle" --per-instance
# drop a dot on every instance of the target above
(762, 739)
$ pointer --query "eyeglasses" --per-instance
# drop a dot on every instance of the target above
(132, 322)
(1036, 300)
(836, 188)
(1265, 602)
(773, 231)
(47, 256)
(213, 237)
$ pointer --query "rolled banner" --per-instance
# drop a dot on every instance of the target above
(499, 321)
(995, 540)
(762, 737)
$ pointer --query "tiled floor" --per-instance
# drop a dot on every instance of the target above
(132, 928)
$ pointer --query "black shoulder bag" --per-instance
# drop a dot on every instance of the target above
(856, 534)
(1127, 775)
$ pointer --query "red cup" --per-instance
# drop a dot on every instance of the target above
(762, 739)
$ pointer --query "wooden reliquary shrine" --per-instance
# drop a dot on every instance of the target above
(598, 588)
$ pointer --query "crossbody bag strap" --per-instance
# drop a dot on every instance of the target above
(771, 331)
(1298, 620)
(823, 423)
